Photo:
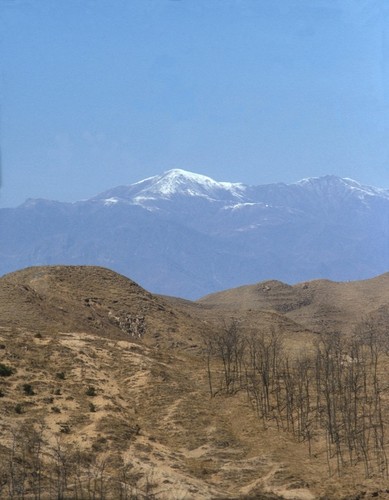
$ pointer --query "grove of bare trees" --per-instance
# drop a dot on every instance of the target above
(32, 467)
(332, 394)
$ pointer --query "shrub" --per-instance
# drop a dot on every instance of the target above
(55, 409)
(60, 375)
(28, 390)
(18, 409)
(6, 371)
(92, 408)
(91, 391)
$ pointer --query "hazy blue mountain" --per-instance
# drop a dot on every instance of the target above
(185, 234)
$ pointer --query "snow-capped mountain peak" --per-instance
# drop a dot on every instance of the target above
(181, 182)
(335, 185)
(172, 184)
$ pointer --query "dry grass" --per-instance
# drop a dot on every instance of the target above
(319, 305)
(150, 402)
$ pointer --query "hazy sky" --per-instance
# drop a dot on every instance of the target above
(99, 93)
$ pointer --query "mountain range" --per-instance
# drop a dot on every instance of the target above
(185, 234)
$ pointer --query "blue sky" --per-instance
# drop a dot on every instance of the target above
(99, 93)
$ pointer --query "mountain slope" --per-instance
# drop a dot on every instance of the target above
(184, 234)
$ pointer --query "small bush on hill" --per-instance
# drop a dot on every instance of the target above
(5, 371)
(91, 391)
(28, 390)
(18, 409)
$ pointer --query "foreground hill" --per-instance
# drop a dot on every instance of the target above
(87, 299)
(185, 234)
(108, 396)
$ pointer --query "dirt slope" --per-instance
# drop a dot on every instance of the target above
(116, 376)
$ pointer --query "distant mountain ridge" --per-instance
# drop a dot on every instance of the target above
(178, 182)
(185, 234)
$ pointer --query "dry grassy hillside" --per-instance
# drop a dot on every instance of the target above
(89, 299)
(107, 396)
(319, 305)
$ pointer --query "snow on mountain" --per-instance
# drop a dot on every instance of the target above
(173, 183)
(333, 185)
(178, 183)
(110, 201)
(240, 206)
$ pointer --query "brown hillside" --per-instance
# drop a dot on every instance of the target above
(112, 382)
(87, 299)
(319, 305)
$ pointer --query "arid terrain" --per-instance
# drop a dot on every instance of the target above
(108, 391)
